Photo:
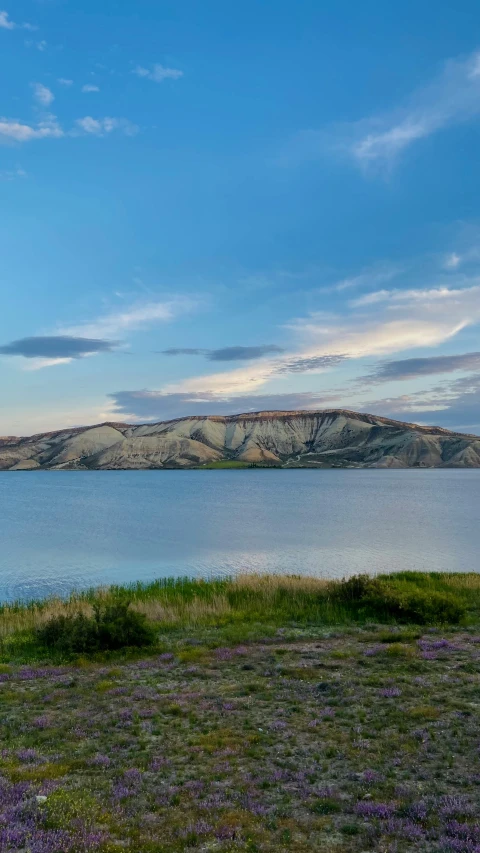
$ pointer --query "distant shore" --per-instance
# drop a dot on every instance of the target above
(324, 438)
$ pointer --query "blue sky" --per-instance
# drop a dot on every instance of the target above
(216, 208)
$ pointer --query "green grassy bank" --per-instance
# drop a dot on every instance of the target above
(254, 607)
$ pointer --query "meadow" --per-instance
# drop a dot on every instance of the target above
(269, 714)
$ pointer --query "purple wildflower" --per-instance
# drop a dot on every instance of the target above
(375, 810)
(370, 651)
(277, 725)
(41, 722)
(404, 828)
(29, 756)
(100, 760)
(455, 806)
(371, 776)
(390, 692)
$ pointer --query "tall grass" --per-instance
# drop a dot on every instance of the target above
(276, 599)
(189, 603)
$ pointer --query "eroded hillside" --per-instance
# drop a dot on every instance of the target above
(330, 438)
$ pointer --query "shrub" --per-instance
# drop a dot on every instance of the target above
(405, 636)
(326, 805)
(372, 597)
(356, 589)
(400, 650)
(418, 605)
(113, 626)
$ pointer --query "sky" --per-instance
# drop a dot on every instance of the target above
(214, 208)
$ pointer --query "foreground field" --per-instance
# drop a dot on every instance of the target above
(347, 739)
(348, 743)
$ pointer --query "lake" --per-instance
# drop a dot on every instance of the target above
(61, 530)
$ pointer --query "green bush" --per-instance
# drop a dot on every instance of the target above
(420, 606)
(374, 598)
(355, 589)
(113, 626)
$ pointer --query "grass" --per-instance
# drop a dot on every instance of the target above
(252, 607)
(225, 463)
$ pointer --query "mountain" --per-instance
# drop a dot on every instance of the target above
(333, 438)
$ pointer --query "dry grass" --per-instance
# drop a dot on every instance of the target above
(167, 608)
(192, 613)
(15, 620)
(470, 581)
(271, 585)
(196, 612)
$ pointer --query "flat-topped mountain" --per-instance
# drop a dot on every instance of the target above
(332, 438)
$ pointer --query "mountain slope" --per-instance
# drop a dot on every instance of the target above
(323, 439)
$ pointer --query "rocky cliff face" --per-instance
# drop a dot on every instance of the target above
(324, 439)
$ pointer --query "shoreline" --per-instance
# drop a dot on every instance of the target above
(251, 607)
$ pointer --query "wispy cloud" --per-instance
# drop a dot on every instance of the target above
(89, 87)
(64, 81)
(39, 45)
(49, 350)
(101, 335)
(12, 174)
(56, 346)
(246, 379)
(237, 353)
(14, 130)
(42, 94)
(310, 364)
(184, 351)
(450, 98)
(158, 73)
(7, 24)
(17, 131)
(370, 277)
(104, 126)
(452, 261)
(465, 255)
(243, 353)
(376, 142)
(415, 368)
(432, 296)
(133, 317)
(396, 322)
(451, 404)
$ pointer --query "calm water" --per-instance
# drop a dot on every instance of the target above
(60, 530)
